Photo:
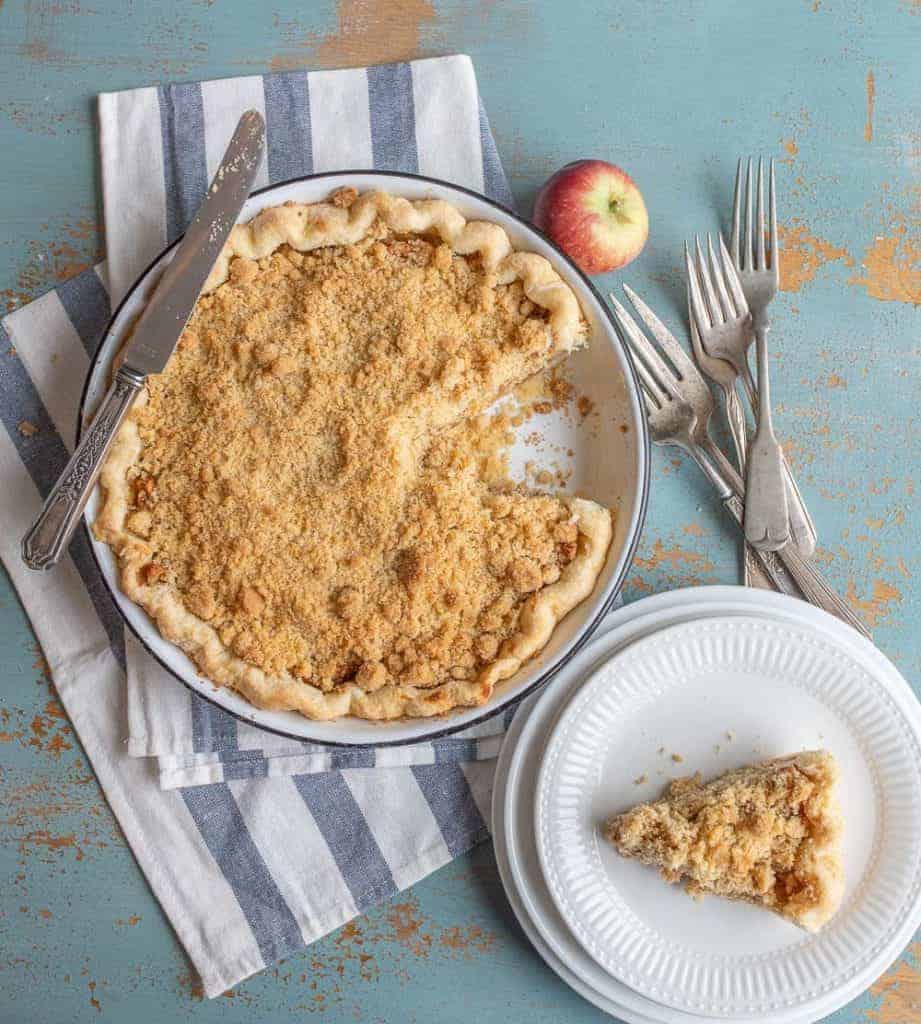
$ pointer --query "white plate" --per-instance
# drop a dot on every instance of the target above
(513, 832)
(778, 688)
(608, 464)
(513, 804)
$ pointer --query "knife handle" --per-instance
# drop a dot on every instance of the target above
(50, 534)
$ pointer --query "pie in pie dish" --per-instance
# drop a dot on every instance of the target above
(299, 501)
(769, 834)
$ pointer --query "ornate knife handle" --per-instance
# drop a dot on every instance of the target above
(50, 534)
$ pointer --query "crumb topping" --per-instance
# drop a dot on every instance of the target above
(768, 834)
(314, 480)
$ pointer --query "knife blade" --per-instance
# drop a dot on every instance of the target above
(152, 341)
(166, 314)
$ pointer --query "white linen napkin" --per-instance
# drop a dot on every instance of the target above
(286, 841)
(164, 145)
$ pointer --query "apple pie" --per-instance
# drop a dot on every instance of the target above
(769, 834)
(299, 501)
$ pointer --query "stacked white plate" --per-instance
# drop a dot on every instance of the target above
(706, 680)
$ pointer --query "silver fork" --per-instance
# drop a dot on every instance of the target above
(717, 299)
(759, 286)
(767, 517)
(759, 276)
(678, 406)
(724, 375)
(722, 322)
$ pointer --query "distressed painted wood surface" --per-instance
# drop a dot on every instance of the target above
(673, 91)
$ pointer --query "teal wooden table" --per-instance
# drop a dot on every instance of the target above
(673, 92)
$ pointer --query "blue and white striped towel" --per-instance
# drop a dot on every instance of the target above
(286, 841)
(160, 148)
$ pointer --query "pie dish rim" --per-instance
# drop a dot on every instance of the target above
(623, 550)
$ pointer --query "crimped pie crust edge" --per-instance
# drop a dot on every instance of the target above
(305, 227)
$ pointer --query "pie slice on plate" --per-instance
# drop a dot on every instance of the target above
(768, 833)
(298, 501)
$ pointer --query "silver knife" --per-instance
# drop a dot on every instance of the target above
(152, 341)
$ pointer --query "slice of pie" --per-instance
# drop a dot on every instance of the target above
(769, 834)
(299, 500)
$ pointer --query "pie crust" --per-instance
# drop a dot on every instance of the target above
(287, 287)
(768, 833)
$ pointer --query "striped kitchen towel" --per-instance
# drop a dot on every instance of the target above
(160, 148)
(286, 841)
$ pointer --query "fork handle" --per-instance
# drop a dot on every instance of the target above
(734, 505)
(769, 565)
(808, 579)
(802, 529)
(813, 586)
(752, 572)
(735, 414)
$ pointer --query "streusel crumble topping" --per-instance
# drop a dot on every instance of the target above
(768, 833)
(310, 482)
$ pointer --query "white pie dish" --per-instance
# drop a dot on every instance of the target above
(609, 463)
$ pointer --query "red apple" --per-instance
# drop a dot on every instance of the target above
(595, 214)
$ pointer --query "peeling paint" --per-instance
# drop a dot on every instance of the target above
(385, 942)
(878, 606)
(44, 839)
(367, 32)
(466, 940)
(899, 991)
(791, 148)
(47, 732)
(407, 923)
(892, 265)
(673, 557)
(802, 255)
(871, 100)
(74, 247)
(191, 985)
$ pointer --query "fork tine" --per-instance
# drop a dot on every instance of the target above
(653, 368)
(703, 271)
(737, 217)
(732, 279)
(634, 338)
(651, 389)
(696, 346)
(651, 406)
(772, 220)
(759, 249)
(729, 312)
(698, 312)
(679, 358)
(749, 254)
